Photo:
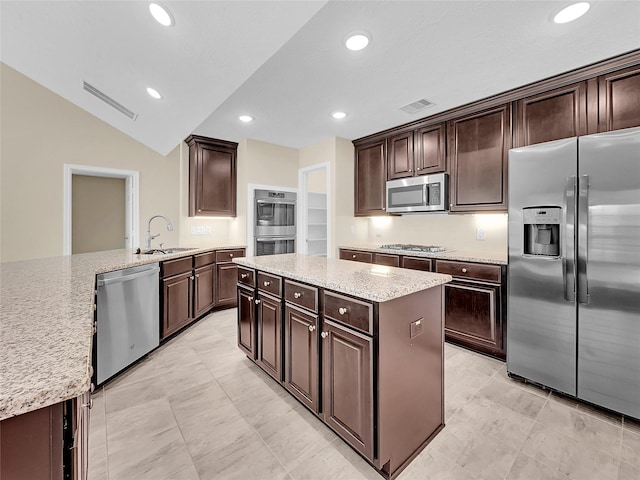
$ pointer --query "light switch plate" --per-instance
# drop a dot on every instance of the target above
(479, 233)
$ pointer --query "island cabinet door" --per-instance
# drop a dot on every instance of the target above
(204, 280)
(247, 322)
(301, 375)
(347, 385)
(227, 274)
(270, 335)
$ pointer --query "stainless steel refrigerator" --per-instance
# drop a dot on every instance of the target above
(574, 267)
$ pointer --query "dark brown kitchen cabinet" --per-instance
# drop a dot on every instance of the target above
(227, 273)
(429, 149)
(203, 293)
(386, 259)
(478, 148)
(559, 113)
(417, 263)
(400, 156)
(177, 303)
(269, 318)
(301, 372)
(619, 99)
(212, 177)
(474, 307)
(355, 255)
(246, 321)
(347, 385)
(370, 178)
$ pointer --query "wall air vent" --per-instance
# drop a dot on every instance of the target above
(417, 106)
(108, 100)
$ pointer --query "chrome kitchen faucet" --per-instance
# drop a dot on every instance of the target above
(151, 237)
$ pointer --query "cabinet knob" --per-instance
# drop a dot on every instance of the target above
(464, 270)
(342, 310)
(297, 295)
(312, 328)
(266, 283)
(324, 334)
(199, 210)
(192, 277)
(244, 275)
(258, 302)
(353, 256)
(418, 168)
(231, 254)
(411, 170)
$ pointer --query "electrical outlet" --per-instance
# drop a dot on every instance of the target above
(479, 233)
(200, 230)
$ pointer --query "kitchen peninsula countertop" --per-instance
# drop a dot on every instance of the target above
(497, 258)
(46, 324)
(371, 282)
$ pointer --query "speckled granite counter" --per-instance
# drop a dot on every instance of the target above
(46, 324)
(370, 282)
(497, 258)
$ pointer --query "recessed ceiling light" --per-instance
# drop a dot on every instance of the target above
(245, 118)
(357, 41)
(154, 93)
(338, 115)
(161, 14)
(572, 12)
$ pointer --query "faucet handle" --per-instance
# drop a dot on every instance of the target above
(161, 243)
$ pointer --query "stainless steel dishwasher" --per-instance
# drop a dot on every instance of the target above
(127, 316)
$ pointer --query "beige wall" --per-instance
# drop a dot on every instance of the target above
(40, 132)
(98, 213)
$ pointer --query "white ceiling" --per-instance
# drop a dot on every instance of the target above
(284, 62)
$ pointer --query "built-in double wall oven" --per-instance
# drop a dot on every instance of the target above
(275, 222)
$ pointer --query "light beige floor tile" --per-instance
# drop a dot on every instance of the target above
(129, 426)
(526, 468)
(601, 413)
(486, 457)
(513, 397)
(122, 395)
(496, 421)
(631, 448)
(517, 382)
(628, 472)
(432, 465)
(631, 425)
(98, 468)
(185, 377)
(581, 426)
(258, 410)
(197, 400)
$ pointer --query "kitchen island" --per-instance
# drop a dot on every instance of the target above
(46, 341)
(359, 345)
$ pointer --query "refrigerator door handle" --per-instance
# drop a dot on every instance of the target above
(583, 227)
(568, 243)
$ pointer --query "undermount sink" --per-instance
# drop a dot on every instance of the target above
(166, 251)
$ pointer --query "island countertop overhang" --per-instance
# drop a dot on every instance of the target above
(377, 283)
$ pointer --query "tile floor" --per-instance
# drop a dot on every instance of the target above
(197, 408)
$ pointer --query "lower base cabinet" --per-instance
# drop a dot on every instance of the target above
(270, 335)
(246, 322)
(176, 303)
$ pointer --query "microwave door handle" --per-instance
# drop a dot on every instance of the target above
(279, 201)
(425, 194)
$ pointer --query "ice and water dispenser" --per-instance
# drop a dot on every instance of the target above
(542, 231)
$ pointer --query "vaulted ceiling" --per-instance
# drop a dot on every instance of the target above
(285, 64)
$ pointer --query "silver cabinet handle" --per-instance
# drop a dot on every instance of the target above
(342, 310)
(312, 328)
(297, 295)
(266, 284)
(464, 270)
(257, 301)
(244, 275)
(324, 334)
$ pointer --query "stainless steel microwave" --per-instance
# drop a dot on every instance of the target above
(426, 193)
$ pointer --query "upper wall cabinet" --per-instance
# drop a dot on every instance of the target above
(212, 177)
(559, 113)
(619, 99)
(478, 148)
(419, 152)
(370, 178)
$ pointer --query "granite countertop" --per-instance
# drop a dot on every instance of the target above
(46, 324)
(377, 283)
(496, 258)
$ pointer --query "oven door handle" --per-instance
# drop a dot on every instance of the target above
(283, 201)
(269, 239)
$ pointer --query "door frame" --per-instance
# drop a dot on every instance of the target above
(132, 200)
(303, 185)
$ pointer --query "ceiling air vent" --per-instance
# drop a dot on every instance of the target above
(417, 106)
(108, 100)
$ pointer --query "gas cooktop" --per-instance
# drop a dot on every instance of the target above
(414, 248)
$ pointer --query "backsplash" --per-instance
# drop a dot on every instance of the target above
(455, 232)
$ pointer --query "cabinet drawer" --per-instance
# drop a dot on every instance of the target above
(247, 276)
(302, 295)
(386, 259)
(356, 256)
(416, 263)
(478, 271)
(228, 255)
(175, 267)
(349, 311)
(270, 283)
(203, 259)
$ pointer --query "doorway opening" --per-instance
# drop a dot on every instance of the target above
(101, 218)
(314, 215)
